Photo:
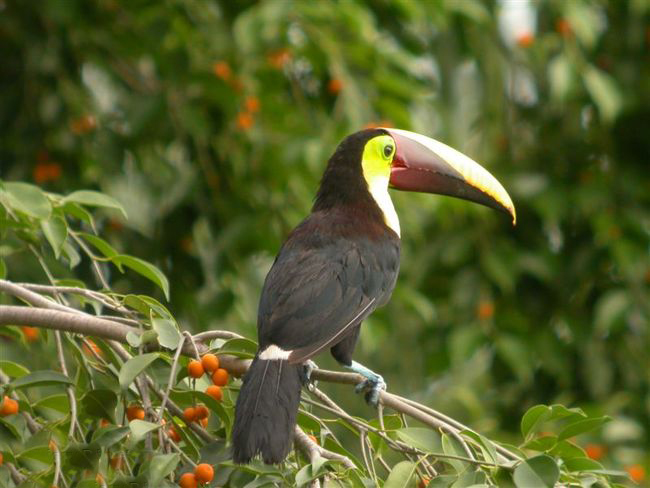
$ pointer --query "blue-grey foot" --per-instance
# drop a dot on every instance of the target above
(372, 385)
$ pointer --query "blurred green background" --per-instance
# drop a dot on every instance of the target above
(212, 122)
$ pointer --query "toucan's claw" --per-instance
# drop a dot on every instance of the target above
(372, 385)
(308, 367)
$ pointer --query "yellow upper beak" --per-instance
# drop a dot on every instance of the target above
(425, 165)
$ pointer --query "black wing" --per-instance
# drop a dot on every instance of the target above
(318, 289)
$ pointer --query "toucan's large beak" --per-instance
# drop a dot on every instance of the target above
(425, 165)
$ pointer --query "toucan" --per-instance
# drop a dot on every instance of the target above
(335, 268)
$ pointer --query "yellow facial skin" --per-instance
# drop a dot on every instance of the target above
(376, 163)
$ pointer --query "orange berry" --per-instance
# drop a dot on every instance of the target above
(423, 482)
(244, 120)
(252, 104)
(313, 438)
(9, 407)
(279, 58)
(195, 369)
(30, 333)
(210, 362)
(215, 392)
(135, 412)
(104, 423)
(525, 39)
(636, 472)
(189, 414)
(595, 451)
(204, 422)
(485, 310)
(174, 435)
(188, 480)
(204, 473)
(220, 377)
(563, 27)
(52, 446)
(334, 86)
(1, 459)
(201, 412)
(83, 124)
(45, 171)
(93, 349)
(116, 462)
(221, 69)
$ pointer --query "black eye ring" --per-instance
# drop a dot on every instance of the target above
(388, 150)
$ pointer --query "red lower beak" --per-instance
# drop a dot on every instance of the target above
(424, 165)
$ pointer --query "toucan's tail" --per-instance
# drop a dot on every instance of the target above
(265, 414)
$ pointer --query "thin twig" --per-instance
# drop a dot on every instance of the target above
(313, 450)
(216, 334)
(172, 375)
(100, 276)
(189, 337)
(57, 463)
(71, 398)
(15, 474)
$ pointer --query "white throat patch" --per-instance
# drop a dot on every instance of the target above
(378, 187)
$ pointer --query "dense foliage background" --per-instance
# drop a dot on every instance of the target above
(211, 123)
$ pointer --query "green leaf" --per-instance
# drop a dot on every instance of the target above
(452, 447)
(104, 247)
(56, 232)
(582, 464)
(3, 269)
(144, 268)
(100, 403)
(537, 472)
(610, 309)
(28, 199)
(541, 444)
(605, 93)
(140, 428)
(240, 347)
(140, 481)
(12, 369)
(401, 476)
(94, 199)
(83, 456)
(134, 339)
(161, 465)
(59, 403)
(425, 439)
(567, 450)
(533, 418)
(41, 378)
(560, 75)
(134, 366)
(110, 436)
(582, 426)
(168, 334)
(79, 212)
(487, 448)
(41, 454)
(71, 254)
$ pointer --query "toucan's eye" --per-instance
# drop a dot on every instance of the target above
(388, 151)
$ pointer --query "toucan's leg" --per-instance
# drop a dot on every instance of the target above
(374, 383)
(342, 352)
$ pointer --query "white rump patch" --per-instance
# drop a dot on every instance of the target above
(274, 352)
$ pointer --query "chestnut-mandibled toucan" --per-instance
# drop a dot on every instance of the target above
(338, 266)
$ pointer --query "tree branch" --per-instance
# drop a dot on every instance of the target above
(49, 314)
